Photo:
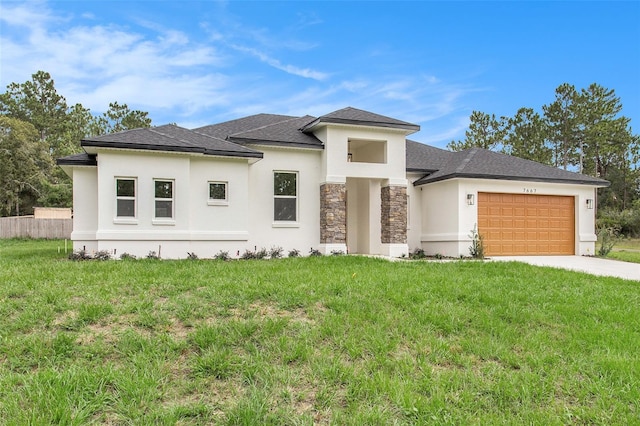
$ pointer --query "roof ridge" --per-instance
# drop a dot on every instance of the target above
(173, 137)
(266, 125)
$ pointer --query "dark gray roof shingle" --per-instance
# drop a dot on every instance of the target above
(484, 164)
(223, 130)
(170, 138)
(82, 159)
(425, 158)
(284, 133)
(350, 115)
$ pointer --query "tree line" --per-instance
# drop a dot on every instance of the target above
(37, 126)
(581, 130)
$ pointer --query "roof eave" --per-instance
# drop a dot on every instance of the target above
(144, 147)
(601, 184)
(408, 127)
(249, 141)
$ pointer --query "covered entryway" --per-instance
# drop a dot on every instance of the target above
(526, 224)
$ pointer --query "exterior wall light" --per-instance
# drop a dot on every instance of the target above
(349, 157)
(470, 199)
(590, 203)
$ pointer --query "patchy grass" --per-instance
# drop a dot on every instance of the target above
(316, 340)
(627, 250)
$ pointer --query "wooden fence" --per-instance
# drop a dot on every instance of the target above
(30, 227)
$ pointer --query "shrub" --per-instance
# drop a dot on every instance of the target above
(314, 252)
(627, 221)
(153, 255)
(248, 254)
(337, 252)
(476, 250)
(102, 255)
(275, 252)
(608, 237)
(262, 253)
(294, 253)
(418, 253)
(127, 256)
(79, 255)
(222, 255)
(192, 256)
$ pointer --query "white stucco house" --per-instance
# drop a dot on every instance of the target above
(347, 181)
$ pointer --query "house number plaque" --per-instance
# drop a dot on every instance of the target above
(529, 190)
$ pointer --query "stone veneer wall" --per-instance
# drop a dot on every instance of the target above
(333, 213)
(394, 215)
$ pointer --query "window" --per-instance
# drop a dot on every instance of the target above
(218, 193)
(163, 199)
(285, 196)
(125, 197)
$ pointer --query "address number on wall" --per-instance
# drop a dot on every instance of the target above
(529, 190)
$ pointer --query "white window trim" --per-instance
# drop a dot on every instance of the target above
(126, 220)
(214, 202)
(286, 223)
(164, 220)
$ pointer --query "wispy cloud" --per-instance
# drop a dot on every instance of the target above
(289, 69)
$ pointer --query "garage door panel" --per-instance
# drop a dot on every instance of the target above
(526, 224)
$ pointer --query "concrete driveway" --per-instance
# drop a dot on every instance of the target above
(590, 265)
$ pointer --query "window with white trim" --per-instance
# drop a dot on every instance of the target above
(163, 193)
(125, 197)
(285, 196)
(218, 193)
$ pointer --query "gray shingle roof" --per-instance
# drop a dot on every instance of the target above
(82, 159)
(425, 158)
(484, 164)
(223, 130)
(170, 138)
(350, 115)
(283, 133)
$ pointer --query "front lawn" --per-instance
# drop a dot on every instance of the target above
(323, 340)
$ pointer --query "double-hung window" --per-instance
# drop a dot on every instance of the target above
(126, 197)
(285, 196)
(163, 199)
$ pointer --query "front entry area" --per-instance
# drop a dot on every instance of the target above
(526, 224)
(363, 216)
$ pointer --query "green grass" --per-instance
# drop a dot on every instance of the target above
(328, 340)
(627, 250)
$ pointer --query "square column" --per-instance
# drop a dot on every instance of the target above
(394, 220)
(333, 217)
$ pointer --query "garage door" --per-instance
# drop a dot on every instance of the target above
(526, 224)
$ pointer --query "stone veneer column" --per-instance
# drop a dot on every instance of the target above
(333, 213)
(394, 215)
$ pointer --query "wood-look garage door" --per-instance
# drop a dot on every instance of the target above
(526, 224)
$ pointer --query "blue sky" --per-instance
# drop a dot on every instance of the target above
(430, 63)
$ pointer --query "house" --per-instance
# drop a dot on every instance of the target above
(347, 181)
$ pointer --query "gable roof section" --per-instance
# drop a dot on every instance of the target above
(480, 163)
(354, 116)
(171, 138)
(240, 125)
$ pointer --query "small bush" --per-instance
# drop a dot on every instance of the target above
(476, 250)
(192, 256)
(248, 254)
(275, 252)
(79, 255)
(314, 252)
(262, 253)
(337, 252)
(153, 255)
(102, 255)
(608, 237)
(418, 253)
(127, 256)
(294, 253)
(222, 255)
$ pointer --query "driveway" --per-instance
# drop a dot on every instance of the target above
(590, 265)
